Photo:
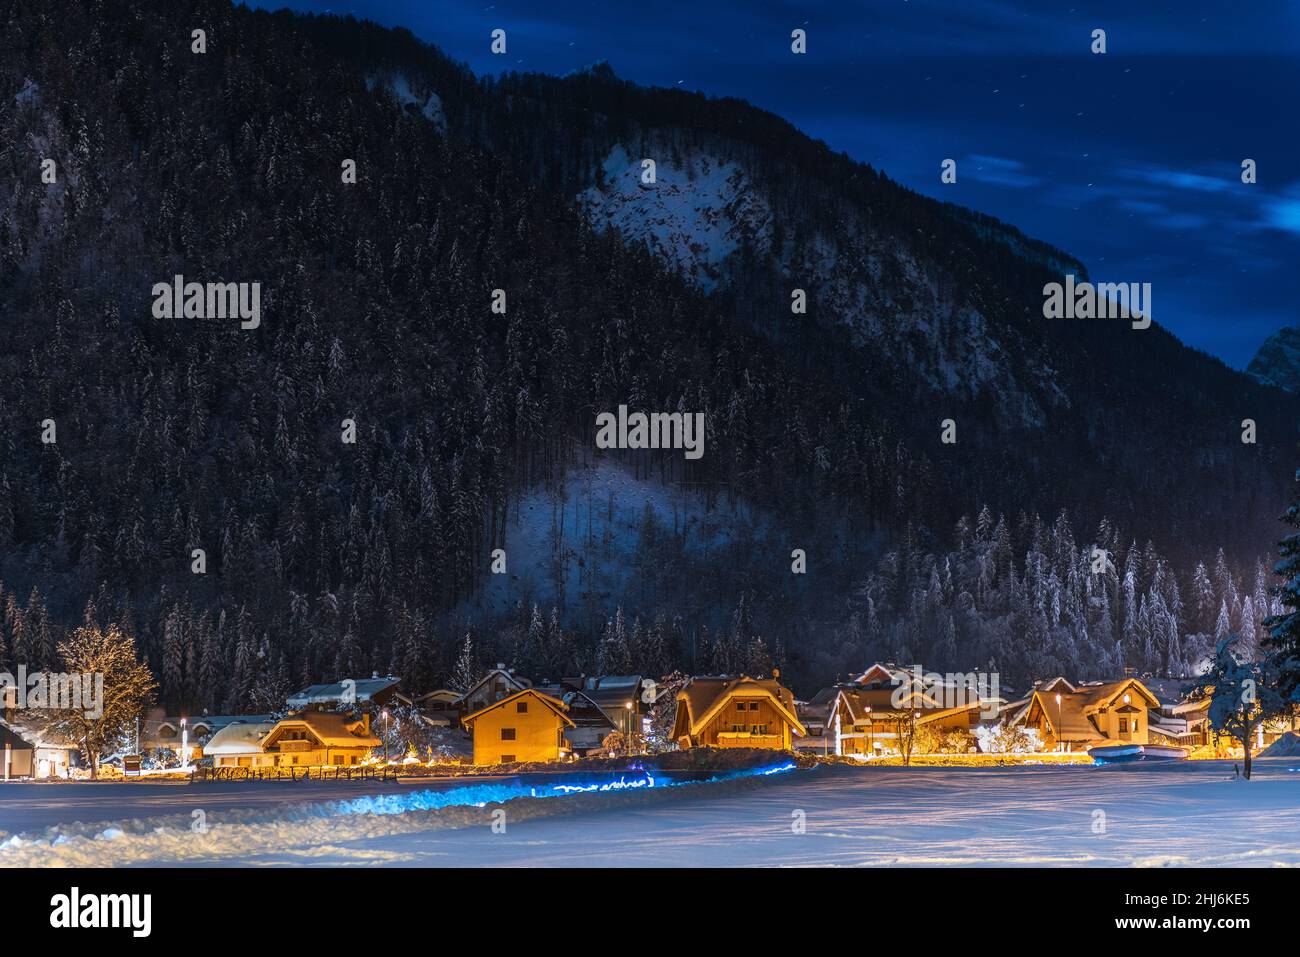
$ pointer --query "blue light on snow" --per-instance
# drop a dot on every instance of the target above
(480, 795)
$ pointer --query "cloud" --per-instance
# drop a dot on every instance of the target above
(1284, 212)
(1181, 179)
(998, 170)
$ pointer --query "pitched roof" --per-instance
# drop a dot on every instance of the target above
(705, 697)
(10, 736)
(555, 704)
(583, 710)
(240, 737)
(1077, 710)
(331, 728)
(213, 722)
(854, 703)
(519, 682)
(612, 692)
(881, 673)
(348, 689)
(37, 736)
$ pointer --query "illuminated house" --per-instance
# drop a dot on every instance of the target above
(742, 712)
(239, 745)
(160, 730)
(600, 705)
(1089, 716)
(868, 720)
(315, 738)
(525, 726)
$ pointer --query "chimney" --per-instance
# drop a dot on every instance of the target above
(776, 674)
(374, 674)
(501, 666)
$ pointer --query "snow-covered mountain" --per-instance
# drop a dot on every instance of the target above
(709, 219)
(924, 310)
(1278, 360)
(696, 215)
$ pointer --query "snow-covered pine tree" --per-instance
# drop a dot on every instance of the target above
(1242, 696)
(1283, 639)
(466, 671)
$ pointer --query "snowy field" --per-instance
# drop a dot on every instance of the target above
(1192, 813)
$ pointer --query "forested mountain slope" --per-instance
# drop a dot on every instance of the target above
(325, 557)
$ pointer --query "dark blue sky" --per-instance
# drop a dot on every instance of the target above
(1130, 161)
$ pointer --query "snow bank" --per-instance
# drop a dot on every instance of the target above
(1287, 746)
(303, 830)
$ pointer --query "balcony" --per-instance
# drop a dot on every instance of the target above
(746, 739)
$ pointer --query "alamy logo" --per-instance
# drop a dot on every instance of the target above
(656, 430)
(54, 691)
(951, 690)
(102, 910)
(1105, 300)
(179, 299)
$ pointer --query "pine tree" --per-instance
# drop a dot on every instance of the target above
(1284, 629)
(467, 670)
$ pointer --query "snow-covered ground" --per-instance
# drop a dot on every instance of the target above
(1192, 813)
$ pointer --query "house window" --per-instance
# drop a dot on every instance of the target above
(521, 707)
(1123, 725)
(753, 706)
(740, 706)
(507, 759)
(507, 734)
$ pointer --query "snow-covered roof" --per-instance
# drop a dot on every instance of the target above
(38, 737)
(240, 737)
(346, 691)
(516, 681)
(612, 692)
(330, 728)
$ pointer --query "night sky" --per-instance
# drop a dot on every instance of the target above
(1130, 161)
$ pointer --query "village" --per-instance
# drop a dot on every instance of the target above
(884, 714)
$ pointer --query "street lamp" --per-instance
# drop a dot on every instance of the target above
(871, 741)
(384, 714)
(627, 709)
(1060, 739)
(185, 745)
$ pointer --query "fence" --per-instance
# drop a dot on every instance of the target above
(363, 773)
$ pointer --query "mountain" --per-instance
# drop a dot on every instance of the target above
(131, 439)
(923, 310)
(1277, 362)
